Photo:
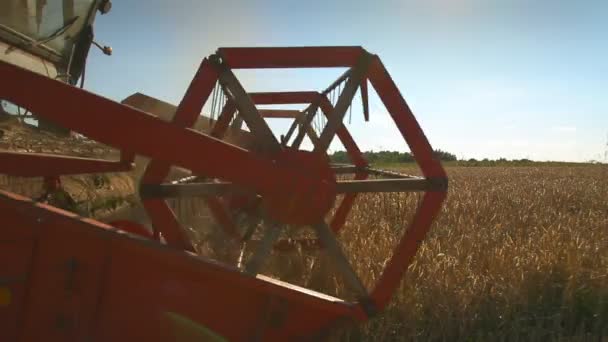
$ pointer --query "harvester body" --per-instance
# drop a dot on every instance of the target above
(64, 277)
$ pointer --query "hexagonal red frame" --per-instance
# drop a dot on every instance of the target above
(63, 104)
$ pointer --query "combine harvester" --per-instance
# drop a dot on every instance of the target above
(68, 278)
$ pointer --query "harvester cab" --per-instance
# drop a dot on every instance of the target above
(50, 37)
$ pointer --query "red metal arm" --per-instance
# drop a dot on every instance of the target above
(284, 97)
(155, 139)
(48, 165)
(163, 218)
(404, 119)
(349, 143)
(217, 208)
(431, 203)
(291, 57)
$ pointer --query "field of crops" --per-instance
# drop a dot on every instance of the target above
(517, 254)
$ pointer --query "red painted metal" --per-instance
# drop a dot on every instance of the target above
(80, 279)
(430, 167)
(87, 280)
(309, 97)
(365, 100)
(187, 112)
(303, 97)
(404, 119)
(279, 114)
(349, 144)
(223, 121)
(337, 222)
(133, 228)
(46, 165)
(284, 97)
(100, 124)
(291, 57)
(339, 219)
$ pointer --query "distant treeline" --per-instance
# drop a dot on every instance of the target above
(393, 157)
(389, 157)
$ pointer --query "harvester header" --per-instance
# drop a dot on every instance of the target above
(108, 282)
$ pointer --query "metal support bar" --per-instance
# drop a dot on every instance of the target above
(342, 187)
(345, 206)
(164, 221)
(339, 80)
(347, 140)
(100, 124)
(216, 207)
(365, 100)
(312, 135)
(185, 190)
(187, 112)
(284, 97)
(223, 120)
(304, 127)
(263, 250)
(386, 185)
(279, 113)
(342, 169)
(404, 119)
(45, 165)
(334, 121)
(293, 127)
(312, 97)
(332, 247)
(387, 173)
(346, 168)
(291, 57)
(237, 123)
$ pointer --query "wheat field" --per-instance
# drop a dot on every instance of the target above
(518, 253)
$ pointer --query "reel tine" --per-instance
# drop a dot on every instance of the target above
(350, 113)
(213, 101)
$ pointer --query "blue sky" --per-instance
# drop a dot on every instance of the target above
(485, 79)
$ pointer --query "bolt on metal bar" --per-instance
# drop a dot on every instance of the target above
(334, 121)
